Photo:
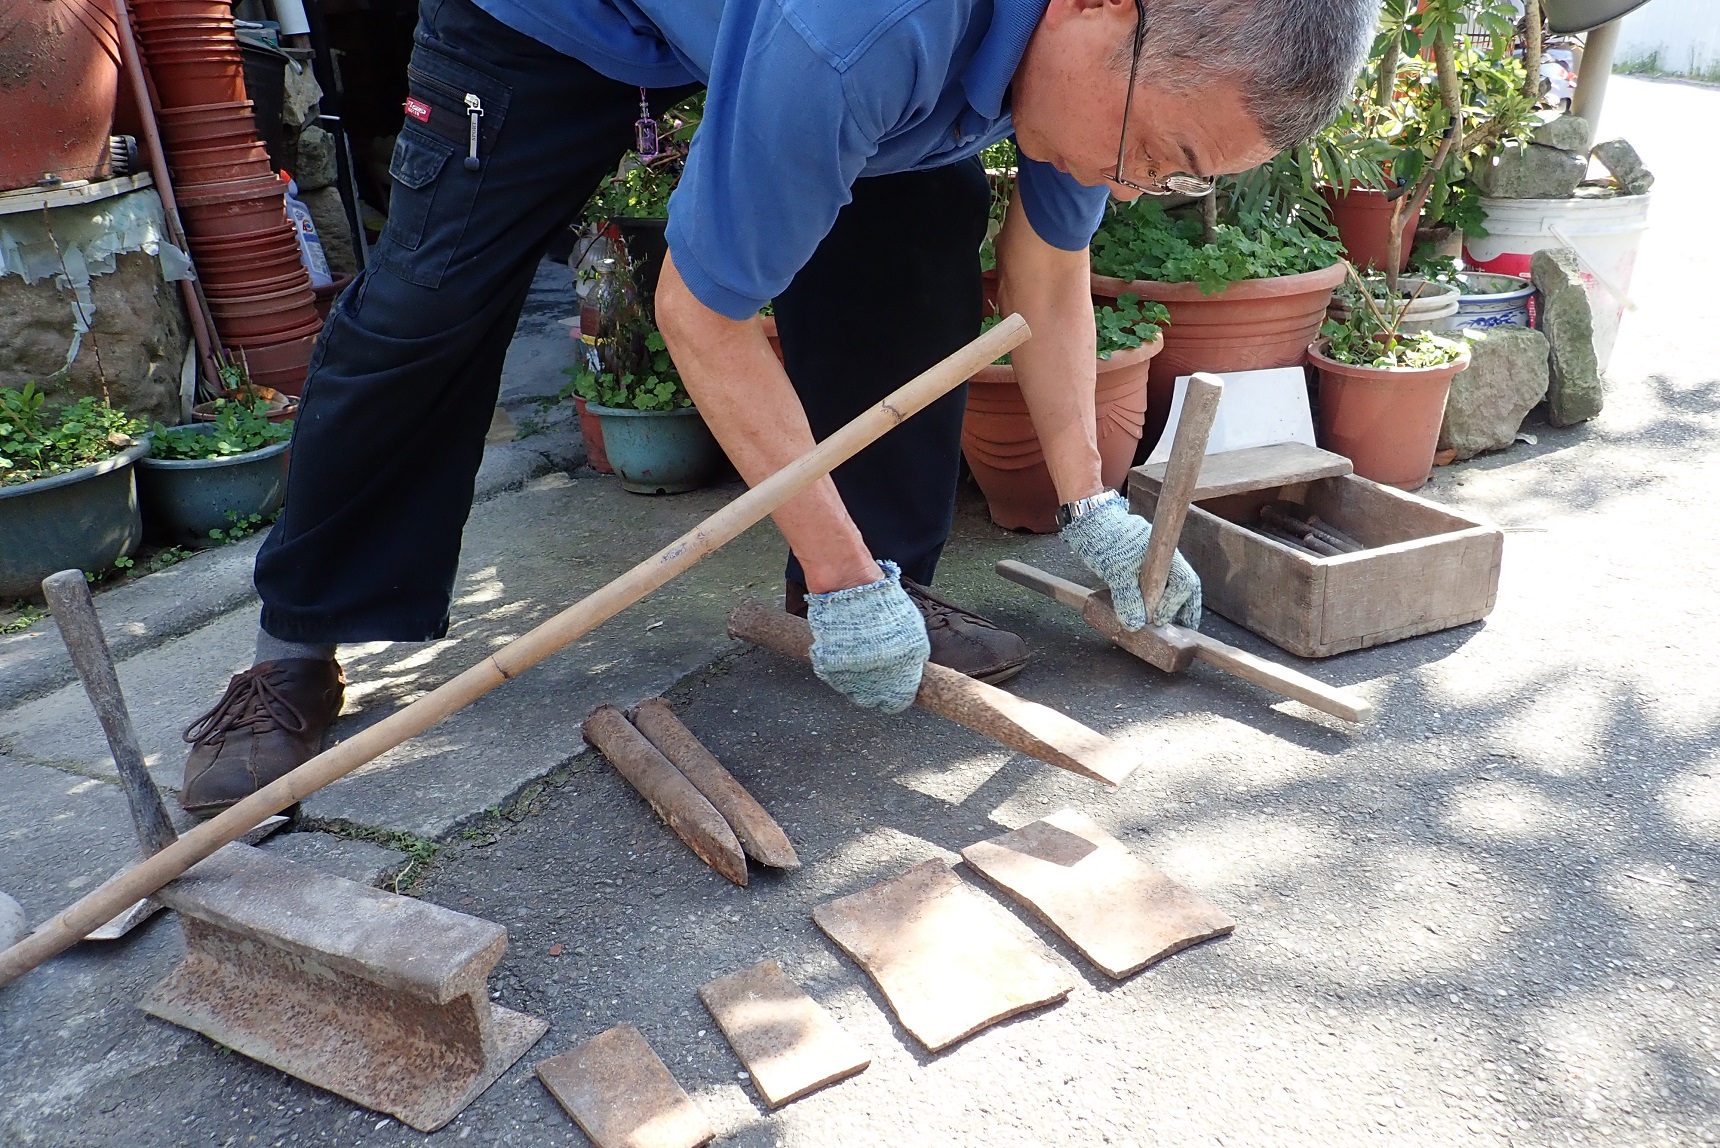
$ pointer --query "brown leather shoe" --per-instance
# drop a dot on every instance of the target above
(961, 640)
(270, 721)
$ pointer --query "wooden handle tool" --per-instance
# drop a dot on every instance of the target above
(1182, 475)
(1036, 730)
(1172, 648)
(100, 904)
(68, 594)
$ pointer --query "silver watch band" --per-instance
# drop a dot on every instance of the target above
(1070, 511)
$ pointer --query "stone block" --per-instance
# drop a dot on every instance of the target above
(302, 95)
(329, 214)
(1564, 132)
(1575, 391)
(1507, 375)
(1121, 913)
(621, 1094)
(1618, 157)
(949, 963)
(313, 160)
(136, 342)
(790, 1045)
(1530, 171)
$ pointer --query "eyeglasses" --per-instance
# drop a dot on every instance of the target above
(1178, 183)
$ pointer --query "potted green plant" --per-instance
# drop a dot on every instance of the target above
(1383, 392)
(202, 476)
(632, 204)
(1244, 288)
(1443, 86)
(67, 492)
(654, 437)
(999, 441)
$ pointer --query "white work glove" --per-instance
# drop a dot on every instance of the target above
(1112, 543)
(869, 643)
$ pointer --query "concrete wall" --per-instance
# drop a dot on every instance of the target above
(1685, 34)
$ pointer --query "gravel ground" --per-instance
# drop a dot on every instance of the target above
(1488, 918)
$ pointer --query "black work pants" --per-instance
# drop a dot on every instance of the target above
(401, 387)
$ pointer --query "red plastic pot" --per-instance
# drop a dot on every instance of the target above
(228, 281)
(1385, 420)
(220, 163)
(281, 365)
(591, 430)
(204, 9)
(183, 78)
(327, 295)
(207, 124)
(1247, 326)
(310, 327)
(1364, 221)
(250, 245)
(236, 208)
(238, 290)
(1002, 448)
(60, 62)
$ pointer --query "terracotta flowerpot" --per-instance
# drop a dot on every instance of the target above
(250, 245)
(768, 322)
(591, 430)
(238, 290)
(1248, 326)
(59, 60)
(224, 274)
(201, 9)
(1364, 221)
(1002, 448)
(1385, 420)
(281, 406)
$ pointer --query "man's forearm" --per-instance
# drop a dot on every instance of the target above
(1052, 289)
(751, 408)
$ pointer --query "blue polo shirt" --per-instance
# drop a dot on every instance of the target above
(804, 97)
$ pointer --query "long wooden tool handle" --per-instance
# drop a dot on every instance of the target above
(1280, 679)
(1036, 730)
(101, 904)
(1182, 475)
(68, 595)
(1071, 594)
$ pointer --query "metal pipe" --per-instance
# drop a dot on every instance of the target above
(1598, 49)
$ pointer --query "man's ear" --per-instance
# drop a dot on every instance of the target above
(1059, 12)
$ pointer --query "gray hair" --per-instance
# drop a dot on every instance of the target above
(1295, 60)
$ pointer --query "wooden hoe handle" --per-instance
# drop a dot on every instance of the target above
(117, 893)
(1182, 475)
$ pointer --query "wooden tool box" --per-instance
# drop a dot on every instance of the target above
(1425, 568)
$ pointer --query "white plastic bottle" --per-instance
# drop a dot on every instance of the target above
(310, 245)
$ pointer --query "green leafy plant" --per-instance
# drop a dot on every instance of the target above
(39, 441)
(1144, 241)
(237, 429)
(1127, 325)
(655, 387)
(640, 188)
(240, 526)
(1370, 339)
(1131, 323)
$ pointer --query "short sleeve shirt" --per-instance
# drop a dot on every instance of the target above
(803, 98)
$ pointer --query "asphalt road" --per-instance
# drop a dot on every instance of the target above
(1488, 918)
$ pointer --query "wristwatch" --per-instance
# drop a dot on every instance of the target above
(1070, 511)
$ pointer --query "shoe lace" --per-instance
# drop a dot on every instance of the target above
(253, 699)
(937, 612)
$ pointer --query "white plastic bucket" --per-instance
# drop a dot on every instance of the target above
(1604, 232)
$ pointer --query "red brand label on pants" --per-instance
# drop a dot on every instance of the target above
(418, 109)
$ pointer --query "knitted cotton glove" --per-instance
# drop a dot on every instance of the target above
(1112, 542)
(869, 643)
